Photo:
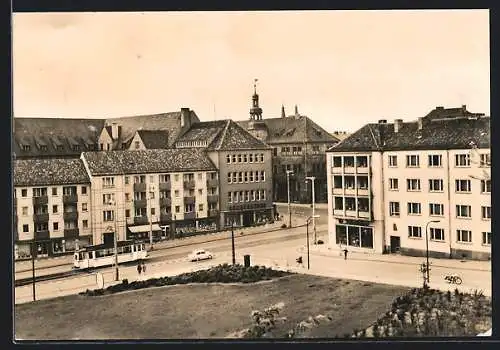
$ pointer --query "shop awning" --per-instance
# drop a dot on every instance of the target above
(144, 228)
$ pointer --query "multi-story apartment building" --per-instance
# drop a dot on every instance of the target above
(392, 184)
(299, 145)
(135, 192)
(244, 164)
(51, 206)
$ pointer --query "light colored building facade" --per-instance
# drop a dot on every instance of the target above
(52, 205)
(163, 191)
(389, 185)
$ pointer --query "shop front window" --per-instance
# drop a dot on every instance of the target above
(366, 237)
(58, 247)
(353, 236)
(341, 234)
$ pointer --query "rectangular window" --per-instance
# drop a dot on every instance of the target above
(393, 161)
(230, 197)
(108, 199)
(228, 159)
(54, 191)
(24, 192)
(412, 161)
(25, 210)
(436, 185)
(463, 211)
(252, 194)
(462, 160)
(485, 186)
(26, 228)
(200, 207)
(250, 158)
(245, 158)
(55, 226)
(85, 223)
(262, 157)
(84, 190)
(127, 180)
(108, 182)
(464, 236)
(485, 160)
(263, 195)
(393, 184)
(258, 195)
(262, 176)
(251, 176)
(84, 207)
(414, 208)
(245, 179)
(486, 213)
(435, 160)
(413, 184)
(436, 209)
(40, 192)
(437, 234)
(337, 162)
(176, 177)
(153, 211)
(177, 209)
(486, 238)
(394, 208)
(239, 158)
(176, 193)
(107, 215)
(462, 186)
(415, 231)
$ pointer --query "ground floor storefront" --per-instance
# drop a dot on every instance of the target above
(247, 217)
(184, 228)
(49, 247)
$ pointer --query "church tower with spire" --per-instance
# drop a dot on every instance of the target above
(256, 126)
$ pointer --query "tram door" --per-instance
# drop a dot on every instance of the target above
(108, 238)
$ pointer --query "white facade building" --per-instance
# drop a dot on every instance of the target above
(389, 184)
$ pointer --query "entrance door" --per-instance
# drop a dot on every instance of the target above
(247, 219)
(395, 244)
(108, 238)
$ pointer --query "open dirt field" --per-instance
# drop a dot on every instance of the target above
(204, 311)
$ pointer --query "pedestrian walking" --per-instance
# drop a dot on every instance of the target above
(144, 267)
(345, 253)
(139, 268)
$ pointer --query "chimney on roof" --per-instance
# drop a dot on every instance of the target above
(283, 115)
(115, 132)
(464, 108)
(185, 121)
(382, 121)
(420, 123)
(397, 124)
(296, 111)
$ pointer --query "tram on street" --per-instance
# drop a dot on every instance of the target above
(104, 254)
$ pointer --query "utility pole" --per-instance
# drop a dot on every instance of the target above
(33, 250)
(427, 248)
(312, 178)
(232, 242)
(307, 235)
(288, 173)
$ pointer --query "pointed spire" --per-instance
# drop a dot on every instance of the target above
(255, 86)
(296, 111)
(283, 111)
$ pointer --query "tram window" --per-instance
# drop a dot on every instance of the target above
(143, 247)
(99, 253)
(76, 256)
(127, 249)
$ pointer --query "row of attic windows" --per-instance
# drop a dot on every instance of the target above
(56, 144)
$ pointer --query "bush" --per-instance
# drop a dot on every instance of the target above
(224, 273)
(283, 226)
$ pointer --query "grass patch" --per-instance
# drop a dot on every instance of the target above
(205, 310)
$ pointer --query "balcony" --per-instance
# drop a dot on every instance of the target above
(213, 213)
(165, 186)
(189, 200)
(40, 200)
(338, 212)
(71, 232)
(165, 217)
(140, 203)
(364, 214)
(70, 216)
(42, 235)
(337, 191)
(189, 216)
(363, 192)
(141, 220)
(362, 170)
(351, 191)
(351, 213)
(190, 184)
(70, 198)
(349, 169)
(140, 187)
(40, 218)
(212, 198)
(336, 170)
(212, 183)
(165, 202)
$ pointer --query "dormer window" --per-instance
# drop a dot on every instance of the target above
(75, 148)
(43, 148)
(26, 147)
(59, 147)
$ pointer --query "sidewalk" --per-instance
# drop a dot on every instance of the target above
(335, 252)
(23, 266)
(322, 206)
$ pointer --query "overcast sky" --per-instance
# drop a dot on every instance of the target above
(342, 68)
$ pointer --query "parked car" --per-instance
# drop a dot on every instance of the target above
(200, 254)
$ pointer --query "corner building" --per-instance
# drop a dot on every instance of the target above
(391, 184)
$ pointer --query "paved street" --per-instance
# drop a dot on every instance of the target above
(281, 253)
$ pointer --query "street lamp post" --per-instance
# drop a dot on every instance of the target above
(115, 241)
(427, 248)
(288, 173)
(312, 178)
(232, 242)
(33, 250)
(307, 236)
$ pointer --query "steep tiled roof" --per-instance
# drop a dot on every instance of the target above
(222, 135)
(450, 133)
(54, 137)
(43, 172)
(147, 161)
(293, 129)
(154, 139)
(165, 121)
